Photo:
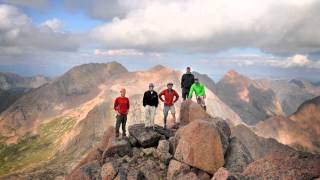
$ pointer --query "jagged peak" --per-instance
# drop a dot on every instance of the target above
(232, 74)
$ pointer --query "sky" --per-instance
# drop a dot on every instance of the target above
(261, 39)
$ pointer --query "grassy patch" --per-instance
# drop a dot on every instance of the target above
(34, 149)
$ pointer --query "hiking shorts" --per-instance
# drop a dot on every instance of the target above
(200, 101)
(166, 110)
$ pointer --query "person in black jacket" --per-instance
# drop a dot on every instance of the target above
(150, 102)
(186, 82)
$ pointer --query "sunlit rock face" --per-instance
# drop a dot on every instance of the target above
(252, 101)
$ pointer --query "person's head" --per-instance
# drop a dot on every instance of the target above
(196, 80)
(170, 85)
(151, 86)
(188, 70)
(123, 92)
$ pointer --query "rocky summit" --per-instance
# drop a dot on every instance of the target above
(202, 149)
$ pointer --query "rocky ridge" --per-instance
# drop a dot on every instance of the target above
(199, 149)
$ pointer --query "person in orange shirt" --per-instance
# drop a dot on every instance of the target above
(121, 106)
(170, 97)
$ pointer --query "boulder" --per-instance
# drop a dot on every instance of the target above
(122, 175)
(285, 165)
(199, 145)
(163, 146)
(108, 171)
(224, 174)
(237, 157)
(203, 175)
(150, 171)
(145, 137)
(188, 176)
(133, 141)
(173, 145)
(191, 111)
(175, 168)
(224, 131)
(90, 170)
(162, 151)
(120, 147)
(148, 151)
(164, 131)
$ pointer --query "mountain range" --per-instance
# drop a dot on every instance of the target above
(51, 124)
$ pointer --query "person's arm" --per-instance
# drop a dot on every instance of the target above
(160, 96)
(191, 91)
(116, 105)
(177, 96)
(144, 99)
(182, 80)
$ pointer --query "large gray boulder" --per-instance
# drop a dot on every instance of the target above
(224, 131)
(120, 147)
(145, 137)
(237, 157)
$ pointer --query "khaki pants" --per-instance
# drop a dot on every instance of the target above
(150, 112)
(201, 102)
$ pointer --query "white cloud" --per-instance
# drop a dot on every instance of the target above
(54, 24)
(118, 52)
(18, 36)
(297, 60)
(39, 4)
(285, 26)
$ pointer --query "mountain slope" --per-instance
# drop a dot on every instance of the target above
(298, 130)
(73, 88)
(252, 102)
(13, 86)
(11, 81)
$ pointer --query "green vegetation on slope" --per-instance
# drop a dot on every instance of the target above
(34, 149)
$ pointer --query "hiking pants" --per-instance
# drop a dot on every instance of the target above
(185, 93)
(150, 112)
(121, 120)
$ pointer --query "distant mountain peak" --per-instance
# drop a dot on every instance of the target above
(158, 67)
(232, 74)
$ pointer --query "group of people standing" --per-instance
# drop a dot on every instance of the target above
(189, 85)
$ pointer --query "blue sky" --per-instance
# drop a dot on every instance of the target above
(49, 37)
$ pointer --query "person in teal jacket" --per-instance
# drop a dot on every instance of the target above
(199, 90)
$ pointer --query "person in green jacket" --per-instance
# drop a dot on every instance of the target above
(199, 90)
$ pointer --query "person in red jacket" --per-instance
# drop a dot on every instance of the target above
(170, 97)
(121, 106)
